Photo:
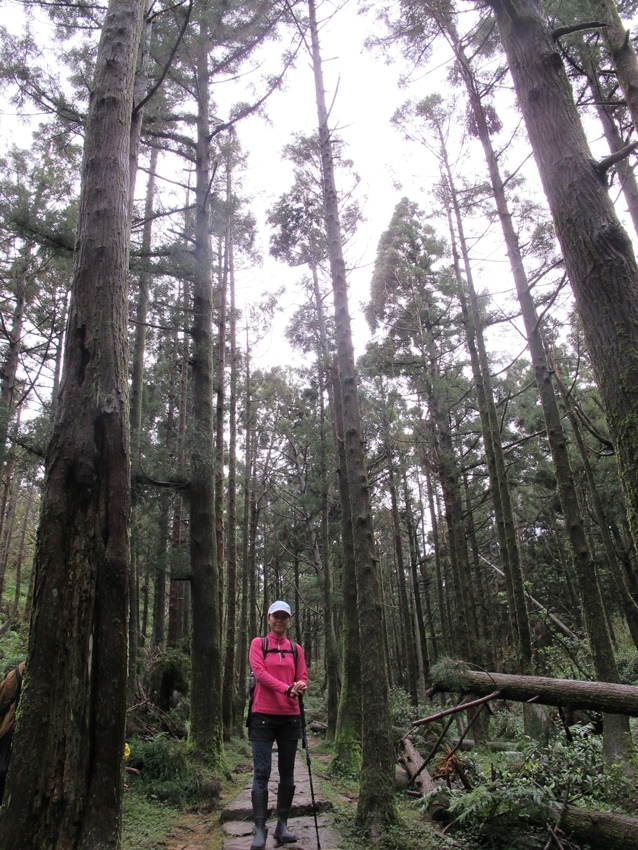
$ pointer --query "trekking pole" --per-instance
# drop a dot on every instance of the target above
(304, 740)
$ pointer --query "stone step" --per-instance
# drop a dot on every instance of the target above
(241, 807)
(240, 834)
(237, 815)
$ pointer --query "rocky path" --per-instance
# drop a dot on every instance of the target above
(237, 815)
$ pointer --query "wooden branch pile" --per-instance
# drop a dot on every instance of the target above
(145, 718)
(605, 830)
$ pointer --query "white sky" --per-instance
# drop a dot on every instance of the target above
(364, 92)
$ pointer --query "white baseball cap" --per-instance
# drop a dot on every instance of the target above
(280, 605)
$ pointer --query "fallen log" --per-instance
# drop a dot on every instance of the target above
(412, 762)
(493, 746)
(606, 830)
(601, 696)
(418, 775)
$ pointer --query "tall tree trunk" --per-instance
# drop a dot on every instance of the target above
(447, 467)
(245, 626)
(206, 691)
(220, 396)
(405, 620)
(333, 659)
(137, 389)
(376, 807)
(20, 553)
(598, 254)
(66, 789)
(347, 746)
(602, 269)
(175, 619)
(629, 605)
(160, 569)
(442, 594)
(624, 168)
(231, 682)
(494, 454)
(621, 51)
(9, 370)
(12, 490)
(414, 572)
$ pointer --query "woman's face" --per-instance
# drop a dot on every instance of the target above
(279, 622)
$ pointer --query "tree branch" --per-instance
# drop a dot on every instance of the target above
(586, 25)
(605, 164)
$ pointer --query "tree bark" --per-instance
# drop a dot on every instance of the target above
(418, 606)
(9, 368)
(347, 746)
(376, 807)
(587, 58)
(412, 762)
(591, 599)
(598, 253)
(495, 459)
(66, 789)
(621, 51)
(603, 830)
(206, 691)
(333, 658)
(231, 682)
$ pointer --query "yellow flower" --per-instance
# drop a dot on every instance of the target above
(127, 752)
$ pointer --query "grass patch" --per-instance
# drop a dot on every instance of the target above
(175, 794)
(146, 822)
(411, 832)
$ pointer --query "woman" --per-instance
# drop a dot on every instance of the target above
(281, 677)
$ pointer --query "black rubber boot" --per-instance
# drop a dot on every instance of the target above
(285, 793)
(260, 813)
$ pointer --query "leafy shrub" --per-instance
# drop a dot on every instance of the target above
(577, 770)
(506, 723)
(628, 667)
(502, 807)
(403, 713)
(13, 647)
(167, 774)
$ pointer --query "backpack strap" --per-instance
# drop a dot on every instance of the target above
(293, 649)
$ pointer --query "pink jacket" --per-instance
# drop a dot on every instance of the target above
(274, 674)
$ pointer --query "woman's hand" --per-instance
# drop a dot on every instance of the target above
(298, 689)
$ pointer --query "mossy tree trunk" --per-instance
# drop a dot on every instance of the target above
(206, 690)
(66, 789)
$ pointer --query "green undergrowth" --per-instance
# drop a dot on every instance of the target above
(145, 822)
(172, 785)
(513, 792)
(13, 647)
(411, 832)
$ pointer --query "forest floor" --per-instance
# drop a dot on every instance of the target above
(229, 826)
(232, 828)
